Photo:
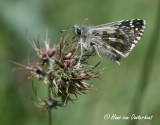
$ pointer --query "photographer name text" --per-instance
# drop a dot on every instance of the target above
(132, 117)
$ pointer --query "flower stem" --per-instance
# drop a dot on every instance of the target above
(50, 109)
(49, 117)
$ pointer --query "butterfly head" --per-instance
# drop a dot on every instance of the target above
(80, 30)
(77, 29)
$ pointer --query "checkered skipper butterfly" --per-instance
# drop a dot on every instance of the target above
(113, 40)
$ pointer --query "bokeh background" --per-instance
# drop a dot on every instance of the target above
(132, 87)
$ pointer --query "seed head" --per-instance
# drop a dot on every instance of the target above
(62, 70)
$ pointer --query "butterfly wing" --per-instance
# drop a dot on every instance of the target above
(117, 39)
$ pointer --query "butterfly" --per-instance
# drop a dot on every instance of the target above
(113, 40)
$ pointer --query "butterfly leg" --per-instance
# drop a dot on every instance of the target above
(96, 48)
(81, 51)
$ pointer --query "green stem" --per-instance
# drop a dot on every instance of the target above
(49, 110)
(146, 70)
(49, 117)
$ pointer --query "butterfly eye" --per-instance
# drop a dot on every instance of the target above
(78, 32)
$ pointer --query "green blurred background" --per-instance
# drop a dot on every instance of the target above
(122, 89)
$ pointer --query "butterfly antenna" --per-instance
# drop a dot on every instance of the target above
(85, 19)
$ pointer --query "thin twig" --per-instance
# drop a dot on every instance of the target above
(50, 109)
(50, 117)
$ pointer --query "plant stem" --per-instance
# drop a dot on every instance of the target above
(146, 70)
(49, 117)
(50, 109)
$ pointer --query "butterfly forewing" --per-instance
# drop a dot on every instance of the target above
(120, 37)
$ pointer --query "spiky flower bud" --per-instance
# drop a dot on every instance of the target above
(61, 68)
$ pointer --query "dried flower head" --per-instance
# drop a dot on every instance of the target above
(62, 70)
